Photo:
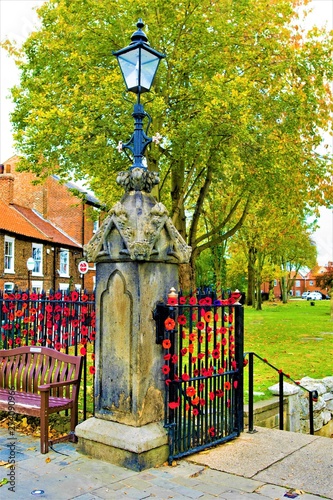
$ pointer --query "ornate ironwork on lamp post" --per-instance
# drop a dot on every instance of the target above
(138, 63)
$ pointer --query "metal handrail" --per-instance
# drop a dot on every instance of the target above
(313, 395)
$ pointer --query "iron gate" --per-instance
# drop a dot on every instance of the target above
(202, 342)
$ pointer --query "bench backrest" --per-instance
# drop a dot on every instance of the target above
(25, 368)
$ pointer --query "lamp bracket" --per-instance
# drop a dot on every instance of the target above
(139, 140)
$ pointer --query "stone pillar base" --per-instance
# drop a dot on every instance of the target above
(136, 448)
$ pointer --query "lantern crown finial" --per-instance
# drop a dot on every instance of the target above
(139, 35)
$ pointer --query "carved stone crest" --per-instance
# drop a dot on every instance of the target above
(138, 228)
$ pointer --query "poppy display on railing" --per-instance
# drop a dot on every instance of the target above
(61, 320)
(202, 342)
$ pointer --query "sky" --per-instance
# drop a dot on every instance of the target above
(18, 18)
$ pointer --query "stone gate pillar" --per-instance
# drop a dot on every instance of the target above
(137, 252)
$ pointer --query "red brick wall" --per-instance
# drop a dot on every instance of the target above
(53, 201)
(68, 211)
(64, 210)
(6, 188)
(51, 261)
(25, 193)
(56, 204)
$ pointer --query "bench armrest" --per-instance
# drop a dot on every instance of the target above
(47, 387)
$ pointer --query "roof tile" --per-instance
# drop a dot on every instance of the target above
(26, 222)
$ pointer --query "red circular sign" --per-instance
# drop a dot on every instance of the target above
(83, 267)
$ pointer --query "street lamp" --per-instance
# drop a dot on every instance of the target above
(138, 63)
(30, 266)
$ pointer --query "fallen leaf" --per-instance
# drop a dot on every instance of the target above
(196, 474)
(24, 422)
(48, 460)
(2, 462)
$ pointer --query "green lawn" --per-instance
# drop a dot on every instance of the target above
(296, 337)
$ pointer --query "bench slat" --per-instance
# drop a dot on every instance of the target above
(33, 400)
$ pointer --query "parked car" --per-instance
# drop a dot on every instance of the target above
(305, 294)
(314, 296)
(323, 295)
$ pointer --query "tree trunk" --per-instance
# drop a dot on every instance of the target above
(178, 211)
(284, 290)
(187, 278)
(271, 291)
(260, 264)
(258, 297)
(220, 265)
(250, 299)
(186, 271)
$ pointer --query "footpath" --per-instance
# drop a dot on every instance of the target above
(267, 464)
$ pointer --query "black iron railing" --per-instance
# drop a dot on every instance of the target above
(61, 320)
(202, 341)
(313, 395)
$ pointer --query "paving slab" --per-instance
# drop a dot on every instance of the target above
(252, 453)
(260, 466)
(309, 469)
(288, 459)
(274, 492)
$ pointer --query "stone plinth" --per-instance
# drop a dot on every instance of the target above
(129, 384)
(137, 251)
(136, 448)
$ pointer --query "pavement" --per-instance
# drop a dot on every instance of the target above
(267, 464)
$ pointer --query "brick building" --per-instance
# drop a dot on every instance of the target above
(311, 278)
(302, 282)
(46, 221)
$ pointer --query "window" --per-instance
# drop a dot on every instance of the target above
(37, 255)
(64, 263)
(37, 286)
(298, 283)
(8, 287)
(311, 283)
(9, 254)
(63, 287)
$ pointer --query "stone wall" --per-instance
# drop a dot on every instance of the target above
(296, 407)
(322, 409)
(266, 413)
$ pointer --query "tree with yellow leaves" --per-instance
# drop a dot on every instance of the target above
(241, 101)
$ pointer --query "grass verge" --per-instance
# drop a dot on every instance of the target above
(296, 337)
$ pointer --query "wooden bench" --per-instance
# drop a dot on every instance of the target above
(39, 381)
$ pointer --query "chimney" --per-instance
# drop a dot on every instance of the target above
(6, 188)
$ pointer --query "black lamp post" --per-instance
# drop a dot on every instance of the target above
(138, 63)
